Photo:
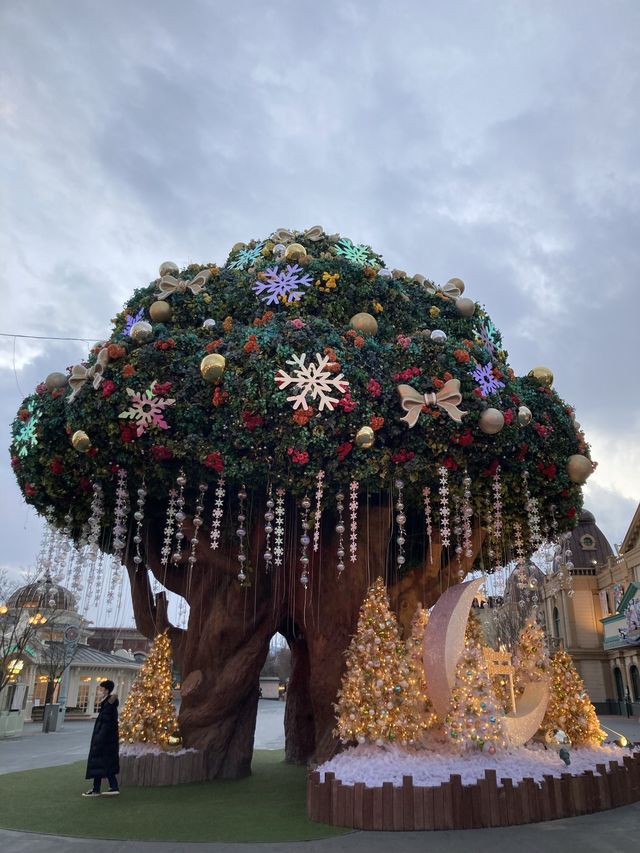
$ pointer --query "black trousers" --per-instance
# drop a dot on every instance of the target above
(113, 782)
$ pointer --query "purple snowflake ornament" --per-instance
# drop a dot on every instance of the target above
(487, 382)
(132, 319)
(282, 285)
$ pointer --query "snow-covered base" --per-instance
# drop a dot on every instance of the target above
(429, 767)
(138, 749)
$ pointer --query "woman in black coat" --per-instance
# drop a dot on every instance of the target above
(103, 752)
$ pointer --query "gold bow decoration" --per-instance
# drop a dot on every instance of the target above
(447, 398)
(169, 285)
(449, 290)
(283, 235)
(81, 374)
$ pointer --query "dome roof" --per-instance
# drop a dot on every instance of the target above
(586, 516)
(588, 544)
(43, 593)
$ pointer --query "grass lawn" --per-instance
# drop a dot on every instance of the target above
(270, 805)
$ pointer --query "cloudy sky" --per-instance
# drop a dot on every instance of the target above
(497, 142)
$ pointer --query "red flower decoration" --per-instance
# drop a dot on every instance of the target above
(299, 456)
(164, 345)
(465, 438)
(15, 463)
(85, 484)
(549, 471)
(251, 421)
(344, 450)
(108, 387)
(401, 456)
(30, 490)
(508, 416)
(56, 466)
(347, 403)
(376, 422)
(220, 396)
(522, 452)
(214, 345)
(461, 355)
(542, 430)
(450, 462)
(406, 375)
(41, 388)
(161, 453)
(374, 388)
(215, 461)
(92, 451)
(161, 389)
(127, 433)
(571, 512)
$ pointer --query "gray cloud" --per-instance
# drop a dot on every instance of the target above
(495, 142)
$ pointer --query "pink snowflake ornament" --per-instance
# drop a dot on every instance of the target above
(146, 409)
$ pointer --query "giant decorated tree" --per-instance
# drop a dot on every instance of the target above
(267, 437)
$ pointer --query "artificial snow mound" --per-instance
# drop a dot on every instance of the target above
(374, 765)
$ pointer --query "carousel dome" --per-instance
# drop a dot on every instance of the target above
(43, 593)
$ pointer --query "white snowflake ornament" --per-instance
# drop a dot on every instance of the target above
(146, 409)
(313, 380)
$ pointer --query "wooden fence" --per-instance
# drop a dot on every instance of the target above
(453, 805)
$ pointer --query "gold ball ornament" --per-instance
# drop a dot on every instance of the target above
(80, 441)
(579, 468)
(364, 322)
(175, 738)
(55, 381)
(365, 437)
(141, 332)
(160, 311)
(212, 367)
(457, 282)
(466, 307)
(542, 374)
(491, 421)
(295, 252)
(169, 268)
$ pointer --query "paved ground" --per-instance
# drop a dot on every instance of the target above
(36, 749)
(616, 831)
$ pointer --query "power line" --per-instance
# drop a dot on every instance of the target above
(48, 337)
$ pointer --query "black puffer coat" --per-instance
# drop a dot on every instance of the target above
(103, 752)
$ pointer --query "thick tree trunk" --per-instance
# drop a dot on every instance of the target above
(225, 644)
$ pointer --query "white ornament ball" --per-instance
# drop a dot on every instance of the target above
(169, 268)
(55, 381)
(438, 336)
(491, 421)
(579, 468)
(466, 307)
(141, 332)
(524, 416)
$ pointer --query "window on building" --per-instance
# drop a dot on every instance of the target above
(635, 683)
(83, 695)
(619, 684)
(557, 633)
(587, 542)
(40, 690)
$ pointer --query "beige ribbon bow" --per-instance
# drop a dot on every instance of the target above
(448, 289)
(168, 284)
(283, 235)
(447, 398)
(81, 374)
(314, 233)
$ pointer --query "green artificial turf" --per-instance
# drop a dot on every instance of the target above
(270, 805)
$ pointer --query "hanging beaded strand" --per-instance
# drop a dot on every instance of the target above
(139, 518)
(521, 564)
(319, 494)
(180, 516)
(533, 516)
(340, 528)
(241, 533)
(353, 528)
(401, 520)
(305, 541)
(457, 532)
(217, 513)
(118, 538)
(268, 530)
(278, 550)
(497, 516)
(467, 515)
(197, 524)
(491, 538)
(445, 530)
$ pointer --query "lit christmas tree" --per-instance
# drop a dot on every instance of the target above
(569, 707)
(149, 715)
(374, 703)
(425, 714)
(474, 631)
(530, 659)
(474, 720)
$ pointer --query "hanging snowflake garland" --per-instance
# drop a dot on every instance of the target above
(216, 514)
(488, 336)
(26, 436)
(147, 409)
(487, 382)
(467, 515)
(278, 550)
(319, 494)
(497, 516)
(165, 553)
(313, 380)
(445, 530)
(428, 521)
(246, 257)
(356, 253)
(353, 529)
(282, 285)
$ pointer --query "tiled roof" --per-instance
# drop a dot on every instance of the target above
(87, 656)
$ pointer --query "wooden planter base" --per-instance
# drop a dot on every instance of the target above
(164, 768)
(453, 805)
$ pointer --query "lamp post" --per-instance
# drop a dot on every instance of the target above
(70, 641)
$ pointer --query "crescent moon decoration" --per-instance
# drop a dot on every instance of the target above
(442, 647)
(444, 641)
